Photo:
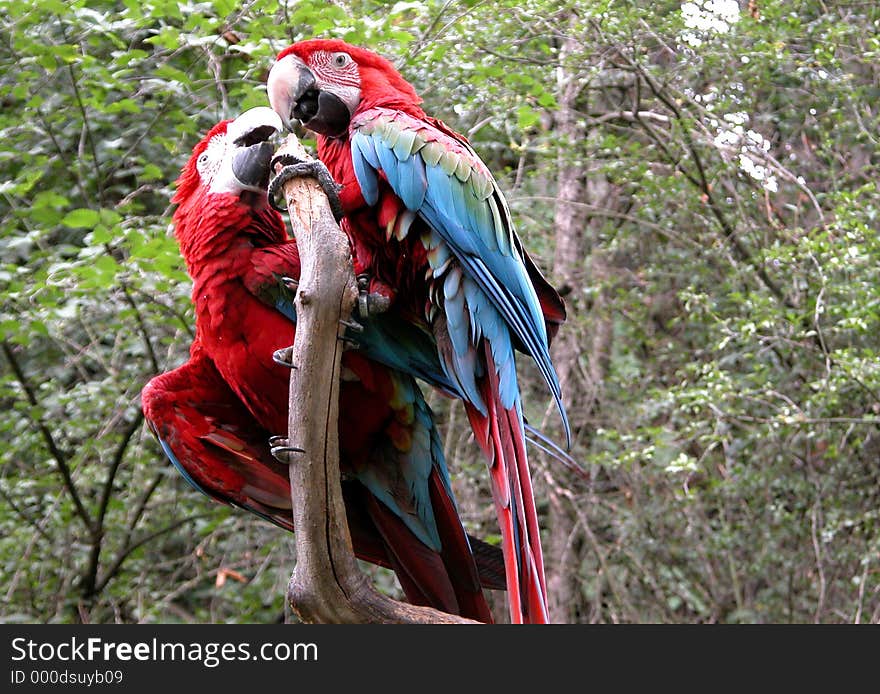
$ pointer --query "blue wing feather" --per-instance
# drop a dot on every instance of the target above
(364, 145)
(410, 469)
(365, 166)
(478, 232)
(413, 183)
(387, 161)
(285, 306)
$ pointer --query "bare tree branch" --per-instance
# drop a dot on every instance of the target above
(54, 450)
(327, 585)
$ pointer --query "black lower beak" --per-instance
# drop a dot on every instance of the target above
(250, 165)
(324, 113)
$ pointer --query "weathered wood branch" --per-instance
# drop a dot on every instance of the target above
(327, 585)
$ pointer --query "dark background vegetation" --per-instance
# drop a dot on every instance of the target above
(700, 178)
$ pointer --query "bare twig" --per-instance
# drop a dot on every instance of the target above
(815, 530)
(127, 551)
(54, 450)
(87, 134)
(145, 335)
(90, 577)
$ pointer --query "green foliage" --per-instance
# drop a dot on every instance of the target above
(102, 102)
(725, 390)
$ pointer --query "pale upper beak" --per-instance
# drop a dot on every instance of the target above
(289, 79)
(254, 125)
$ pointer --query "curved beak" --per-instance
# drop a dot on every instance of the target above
(295, 94)
(250, 134)
(254, 125)
(289, 81)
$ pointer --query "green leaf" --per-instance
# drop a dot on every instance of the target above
(547, 100)
(110, 217)
(527, 117)
(151, 172)
(100, 235)
(81, 219)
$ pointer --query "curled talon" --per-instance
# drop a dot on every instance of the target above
(377, 303)
(363, 284)
(352, 325)
(370, 304)
(279, 445)
(297, 168)
(290, 283)
(284, 159)
(284, 357)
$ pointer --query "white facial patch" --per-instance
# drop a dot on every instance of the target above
(215, 166)
(211, 160)
(337, 74)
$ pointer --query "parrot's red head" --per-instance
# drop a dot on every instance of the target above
(224, 182)
(324, 82)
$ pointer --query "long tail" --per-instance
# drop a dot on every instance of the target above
(500, 435)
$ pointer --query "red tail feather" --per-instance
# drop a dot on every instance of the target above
(457, 554)
(419, 568)
(501, 437)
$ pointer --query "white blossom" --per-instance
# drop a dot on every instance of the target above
(750, 146)
(704, 17)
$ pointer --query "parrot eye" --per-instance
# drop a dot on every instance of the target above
(202, 160)
(341, 59)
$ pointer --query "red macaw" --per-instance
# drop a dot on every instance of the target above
(432, 234)
(213, 414)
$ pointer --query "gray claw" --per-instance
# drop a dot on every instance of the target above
(296, 168)
(280, 450)
(352, 325)
(377, 303)
(284, 357)
(372, 304)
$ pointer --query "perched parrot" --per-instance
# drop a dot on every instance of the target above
(432, 235)
(213, 415)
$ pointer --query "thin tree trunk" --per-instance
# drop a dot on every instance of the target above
(582, 350)
(568, 268)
